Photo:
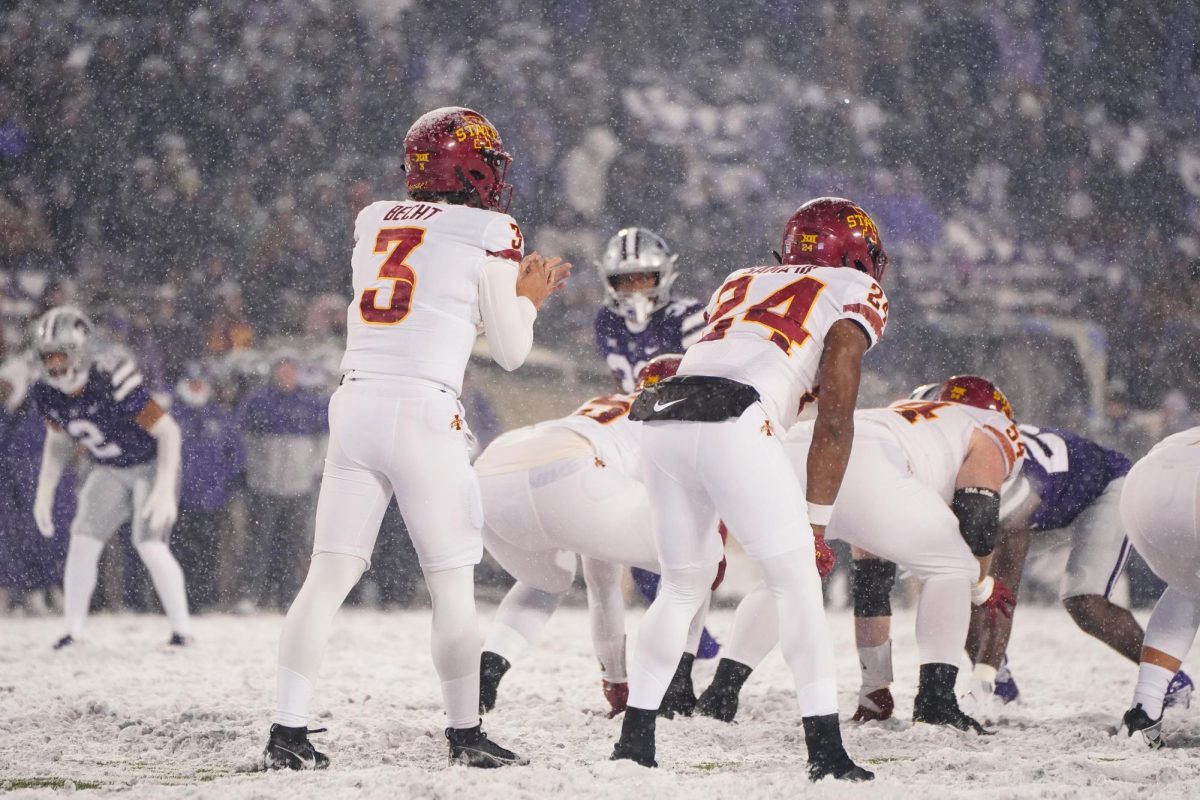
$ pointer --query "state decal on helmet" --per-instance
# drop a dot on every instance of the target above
(658, 369)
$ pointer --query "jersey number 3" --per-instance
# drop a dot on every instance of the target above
(398, 243)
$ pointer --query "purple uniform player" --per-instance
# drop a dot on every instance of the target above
(100, 401)
(638, 321)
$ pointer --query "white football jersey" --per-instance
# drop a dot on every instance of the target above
(604, 421)
(767, 327)
(1179, 448)
(935, 436)
(416, 269)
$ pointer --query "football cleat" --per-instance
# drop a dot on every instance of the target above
(1149, 731)
(492, 668)
(827, 757)
(65, 641)
(177, 640)
(936, 703)
(720, 699)
(471, 747)
(681, 694)
(875, 706)
(1179, 691)
(289, 748)
(637, 738)
(1006, 685)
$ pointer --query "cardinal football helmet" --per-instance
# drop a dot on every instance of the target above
(657, 369)
(455, 150)
(974, 391)
(834, 232)
(634, 251)
(65, 330)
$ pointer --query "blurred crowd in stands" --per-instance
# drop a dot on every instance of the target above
(189, 171)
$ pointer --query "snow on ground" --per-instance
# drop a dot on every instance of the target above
(124, 714)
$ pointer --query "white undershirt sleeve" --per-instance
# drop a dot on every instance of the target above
(507, 318)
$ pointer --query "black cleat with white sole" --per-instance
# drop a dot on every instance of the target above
(289, 748)
(471, 747)
(827, 756)
(1137, 723)
(936, 703)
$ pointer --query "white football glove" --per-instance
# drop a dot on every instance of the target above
(43, 513)
(160, 511)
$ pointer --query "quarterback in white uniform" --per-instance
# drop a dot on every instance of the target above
(1160, 506)
(429, 274)
(565, 487)
(711, 446)
(922, 490)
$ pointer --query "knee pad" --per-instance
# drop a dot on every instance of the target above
(871, 582)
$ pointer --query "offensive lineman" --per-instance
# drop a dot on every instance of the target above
(709, 448)
(1159, 506)
(641, 319)
(100, 401)
(562, 487)
(428, 272)
(922, 489)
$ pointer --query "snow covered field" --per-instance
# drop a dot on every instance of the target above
(126, 714)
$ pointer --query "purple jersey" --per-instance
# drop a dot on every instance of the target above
(1068, 472)
(671, 329)
(104, 415)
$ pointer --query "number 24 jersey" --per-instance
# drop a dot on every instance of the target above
(767, 328)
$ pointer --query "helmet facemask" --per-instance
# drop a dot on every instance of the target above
(64, 346)
(631, 252)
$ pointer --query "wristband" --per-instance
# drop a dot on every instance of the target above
(819, 514)
(981, 591)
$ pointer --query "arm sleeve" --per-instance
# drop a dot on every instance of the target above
(170, 453)
(56, 451)
(865, 304)
(507, 318)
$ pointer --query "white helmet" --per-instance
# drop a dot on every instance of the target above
(67, 330)
(634, 251)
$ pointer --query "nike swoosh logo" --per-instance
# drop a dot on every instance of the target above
(659, 406)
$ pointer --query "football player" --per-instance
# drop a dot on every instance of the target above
(639, 320)
(710, 448)
(428, 273)
(1158, 507)
(99, 400)
(563, 487)
(922, 489)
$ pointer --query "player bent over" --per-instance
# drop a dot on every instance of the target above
(711, 446)
(922, 489)
(568, 486)
(100, 401)
(1159, 506)
(427, 272)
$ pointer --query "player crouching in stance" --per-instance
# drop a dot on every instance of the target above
(1159, 509)
(100, 401)
(922, 489)
(427, 273)
(709, 448)
(562, 487)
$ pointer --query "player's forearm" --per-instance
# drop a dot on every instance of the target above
(507, 318)
(170, 453)
(56, 452)
(828, 457)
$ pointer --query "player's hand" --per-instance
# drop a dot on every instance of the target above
(160, 512)
(539, 277)
(826, 558)
(43, 513)
(995, 596)
(617, 695)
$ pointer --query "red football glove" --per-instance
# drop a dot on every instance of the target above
(995, 596)
(826, 558)
(617, 695)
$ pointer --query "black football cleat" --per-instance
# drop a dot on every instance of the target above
(1137, 724)
(936, 703)
(637, 738)
(680, 697)
(289, 748)
(720, 699)
(471, 747)
(178, 640)
(827, 757)
(491, 669)
(65, 641)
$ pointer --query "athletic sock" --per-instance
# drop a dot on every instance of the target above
(1151, 688)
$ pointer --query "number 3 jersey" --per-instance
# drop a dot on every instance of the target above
(767, 328)
(103, 417)
(416, 273)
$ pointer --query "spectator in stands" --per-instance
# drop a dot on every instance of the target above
(284, 427)
(213, 463)
(229, 329)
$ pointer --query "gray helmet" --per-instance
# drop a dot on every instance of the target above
(633, 251)
(65, 329)
(927, 391)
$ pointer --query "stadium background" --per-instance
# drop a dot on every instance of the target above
(188, 172)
